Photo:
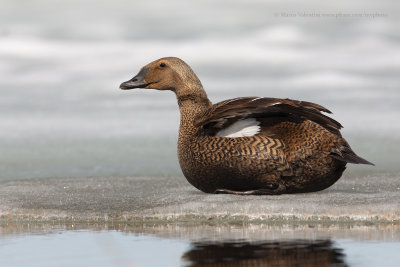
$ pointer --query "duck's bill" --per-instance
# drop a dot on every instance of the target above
(136, 82)
(131, 84)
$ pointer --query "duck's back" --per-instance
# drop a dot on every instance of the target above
(281, 145)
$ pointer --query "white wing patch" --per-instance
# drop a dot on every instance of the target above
(241, 128)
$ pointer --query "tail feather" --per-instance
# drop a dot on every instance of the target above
(346, 154)
(352, 159)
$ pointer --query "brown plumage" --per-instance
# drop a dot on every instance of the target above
(249, 145)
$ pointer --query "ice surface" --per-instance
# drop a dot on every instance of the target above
(372, 199)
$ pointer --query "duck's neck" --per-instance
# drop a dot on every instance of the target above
(192, 100)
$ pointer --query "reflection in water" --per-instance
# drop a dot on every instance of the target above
(272, 253)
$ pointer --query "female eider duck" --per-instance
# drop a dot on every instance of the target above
(249, 145)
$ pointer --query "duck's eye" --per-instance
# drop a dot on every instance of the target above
(162, 65)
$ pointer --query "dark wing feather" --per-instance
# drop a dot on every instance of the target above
(223, 113)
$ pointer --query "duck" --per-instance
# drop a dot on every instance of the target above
(249, 145)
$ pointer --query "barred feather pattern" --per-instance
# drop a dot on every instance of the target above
(236, 163)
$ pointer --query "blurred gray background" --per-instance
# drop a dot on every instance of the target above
(61, 63)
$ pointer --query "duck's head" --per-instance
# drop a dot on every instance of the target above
(167, 73)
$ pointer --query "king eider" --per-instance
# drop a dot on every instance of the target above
(249, 145)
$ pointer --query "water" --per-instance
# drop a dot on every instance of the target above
(90, 249)
(57, 247)
(62, 114)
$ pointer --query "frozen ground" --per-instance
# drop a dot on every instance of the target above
(368, 199)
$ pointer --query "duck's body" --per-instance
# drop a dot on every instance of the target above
(249, 145)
